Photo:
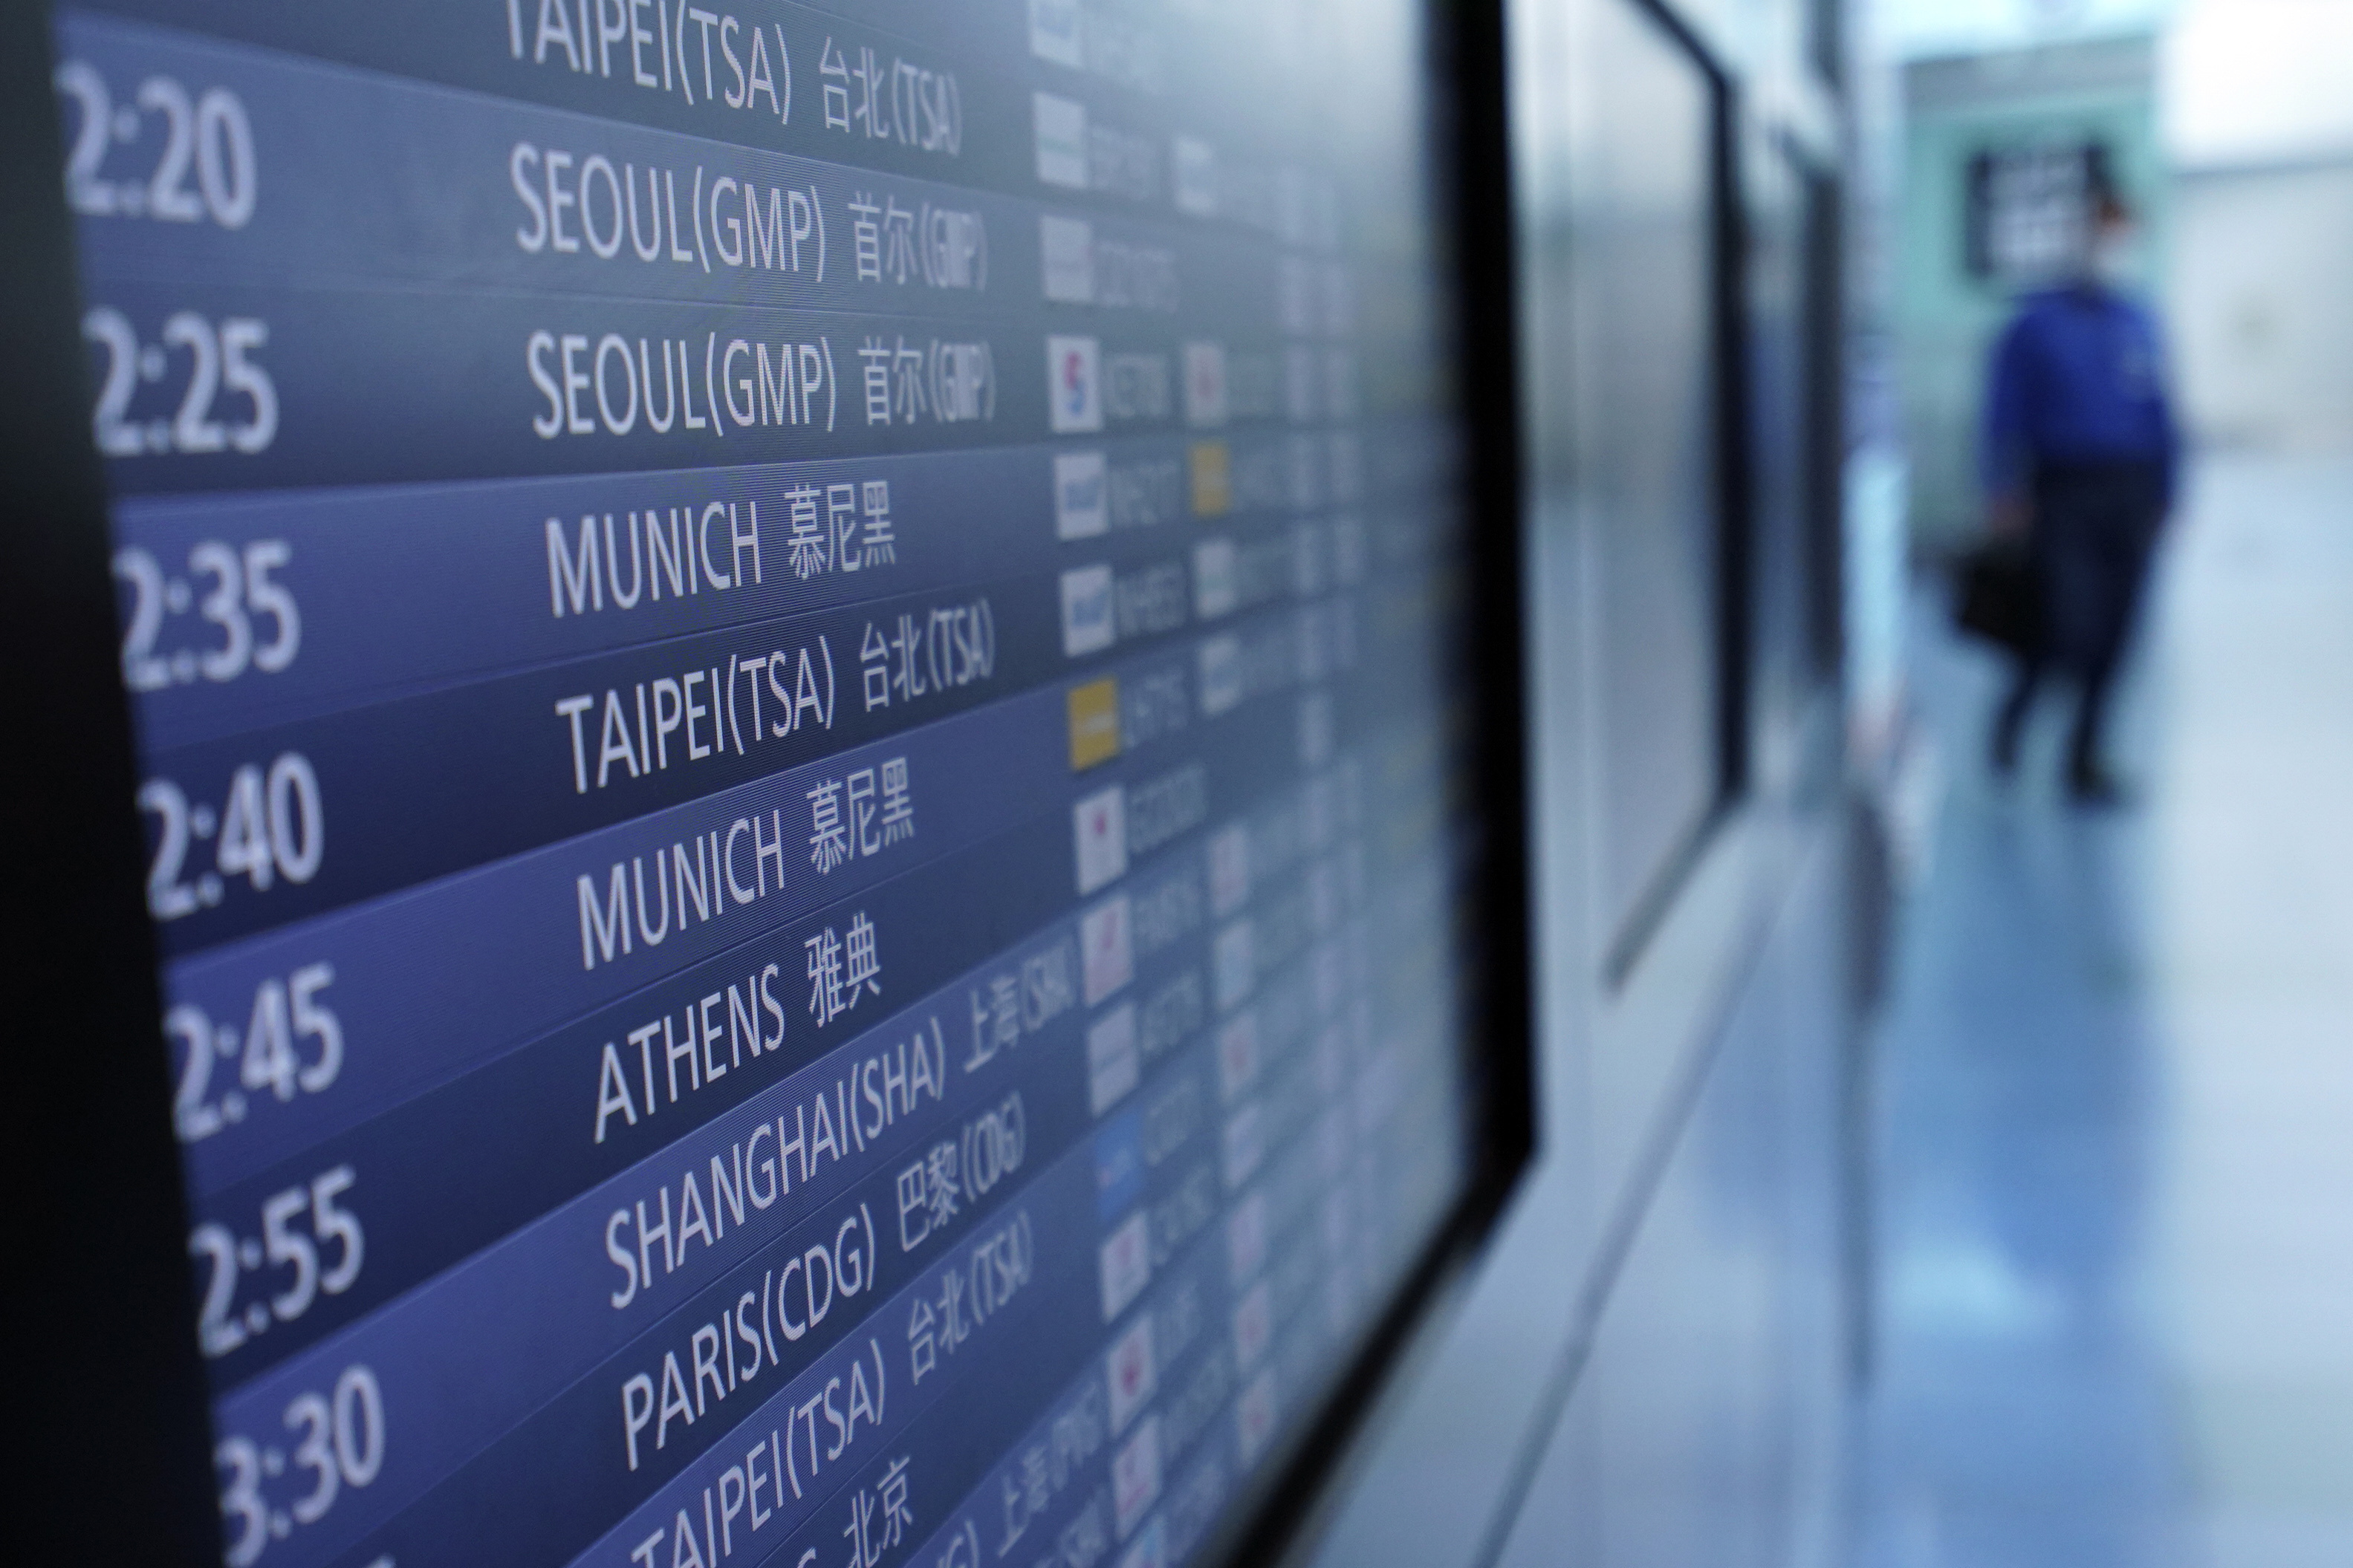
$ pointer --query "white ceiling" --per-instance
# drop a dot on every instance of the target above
(2247, 81)
(2241, 80)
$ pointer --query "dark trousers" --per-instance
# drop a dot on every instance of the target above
(2095, 525)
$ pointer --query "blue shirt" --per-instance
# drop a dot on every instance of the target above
(2076, 378)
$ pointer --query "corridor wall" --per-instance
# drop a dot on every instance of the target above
(1650, 1361)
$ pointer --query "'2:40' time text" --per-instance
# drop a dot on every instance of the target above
(272, 827)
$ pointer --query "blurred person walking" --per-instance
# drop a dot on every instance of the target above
(2079, 457)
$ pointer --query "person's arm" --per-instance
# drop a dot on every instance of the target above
(2004, 452)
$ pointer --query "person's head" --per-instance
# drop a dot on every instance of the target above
(2108, 238)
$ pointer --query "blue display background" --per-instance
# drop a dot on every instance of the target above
(1183, 754)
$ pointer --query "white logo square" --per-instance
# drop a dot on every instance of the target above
(1107, 955)
(1246, 1236)
(1217, 586)
(1099, 828)
(1054, 32)
(1125, 1262)
(1255, 1416)
(1238, 1057)
(1233, 965)
(1086, 625)
(1150, 1550)
(1229, 869)
(1195, 164)
(1221, 675)
(1081, 495)
(1074, 404)
(1136, 1476)
(1253, 1325)
(1205, 384)
(1067, 248)
(1133, 1376)
(1113, 1064)
(1244, 1145)
(1061, 127)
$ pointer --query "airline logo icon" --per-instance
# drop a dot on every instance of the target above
(1095, 723)
(1126, 1265)
(1086, 611)
(1107, 955)
(1054, 32)
(1233, 965)
(1061, 127)
(1114, 1064)
(1245, 1145)
(1246, 1236)
(1099, 828)
(1081, 495)
(1237, 1058)
(1067, 246)
(1253, 1326)
(1255, 1416)
(1119, 1164)
(1212, 468)
(1195, 164)
(1221, 675)
(1135, 1477)
(1294, 292)
(1301, 383)
(1229, 869)
(1217, 586)
(1075, 385)
(1130, 1371)
(1151, 1548)
(1205, 384)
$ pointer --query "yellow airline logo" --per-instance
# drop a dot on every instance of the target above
(1213, 479)
(1095, 723)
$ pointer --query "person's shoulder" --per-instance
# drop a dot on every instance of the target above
(2040, 305)
(2035, 314)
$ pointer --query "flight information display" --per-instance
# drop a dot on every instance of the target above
(799, 675)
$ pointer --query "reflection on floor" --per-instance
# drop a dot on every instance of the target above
(2116, 1095)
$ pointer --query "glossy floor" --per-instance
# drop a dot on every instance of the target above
(2115, 1254)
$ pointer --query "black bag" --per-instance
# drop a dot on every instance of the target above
(1999, 598)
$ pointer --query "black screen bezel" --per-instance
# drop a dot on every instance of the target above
(115, 1468)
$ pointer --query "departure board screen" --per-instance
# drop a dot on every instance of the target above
(799, 679)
